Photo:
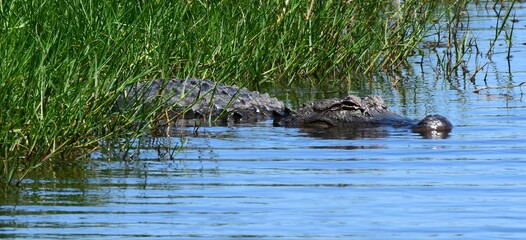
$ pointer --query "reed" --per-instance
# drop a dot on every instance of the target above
(63, 64)
(460, 47)
(502, 22)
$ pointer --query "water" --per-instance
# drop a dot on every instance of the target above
(265, 182)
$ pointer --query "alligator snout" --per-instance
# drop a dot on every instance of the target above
(437, 123)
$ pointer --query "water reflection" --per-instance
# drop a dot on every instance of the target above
(434, 135)
(366, 133)
(346, 133)
(348, 147)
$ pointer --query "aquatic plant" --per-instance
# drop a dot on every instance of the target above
(458, 53)
(63, 64)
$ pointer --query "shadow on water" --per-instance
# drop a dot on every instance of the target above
(366, 133)
(64, 180)
(346, 133)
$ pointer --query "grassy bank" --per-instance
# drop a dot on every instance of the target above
(64, 63)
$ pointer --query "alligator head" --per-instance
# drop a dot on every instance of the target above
(350, 111)
(356, 112)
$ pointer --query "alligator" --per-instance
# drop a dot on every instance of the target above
(197, 101)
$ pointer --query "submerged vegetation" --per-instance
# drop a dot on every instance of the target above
(63, 64)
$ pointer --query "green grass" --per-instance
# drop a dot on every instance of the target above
(63, 64)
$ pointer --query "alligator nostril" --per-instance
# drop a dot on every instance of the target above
(436, 123)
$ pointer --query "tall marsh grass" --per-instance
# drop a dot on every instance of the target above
(63, 64)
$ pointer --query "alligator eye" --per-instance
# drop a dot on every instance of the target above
(350, 107)
(350, 103)
(336, 107)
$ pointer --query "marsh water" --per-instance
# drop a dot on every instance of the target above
(260, 181)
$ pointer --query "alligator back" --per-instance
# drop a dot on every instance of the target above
(203, 99)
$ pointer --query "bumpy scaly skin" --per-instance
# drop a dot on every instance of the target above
(351, 111)
(356, 112)
(204, 99)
